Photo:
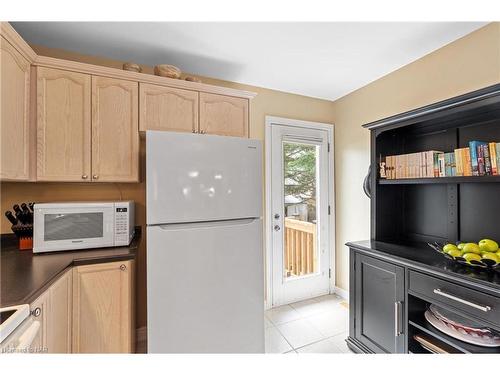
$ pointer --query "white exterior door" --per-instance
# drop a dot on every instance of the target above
(300, 213)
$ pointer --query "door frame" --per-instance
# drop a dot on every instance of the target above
(330, 129)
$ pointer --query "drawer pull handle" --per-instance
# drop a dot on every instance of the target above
(397, 318)
(465, 302)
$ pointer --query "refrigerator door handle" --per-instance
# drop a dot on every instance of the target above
(207, 224)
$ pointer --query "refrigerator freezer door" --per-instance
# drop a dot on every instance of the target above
(194, 177)
(206, 288)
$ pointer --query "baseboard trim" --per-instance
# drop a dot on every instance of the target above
(341, 292)
(357, 347)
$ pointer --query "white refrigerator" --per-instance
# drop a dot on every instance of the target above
(205, 270)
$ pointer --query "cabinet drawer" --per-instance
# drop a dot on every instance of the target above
(469, 301)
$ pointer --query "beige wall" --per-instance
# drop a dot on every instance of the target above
(467, 64)
(267, 102)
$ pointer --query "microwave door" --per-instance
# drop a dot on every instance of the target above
(67, 228)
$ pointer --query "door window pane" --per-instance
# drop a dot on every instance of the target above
(300, 218)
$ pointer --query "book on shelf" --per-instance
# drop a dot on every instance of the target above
(442, 165)
(466, 159)
(479, 159)
(493, 157)
(449, 164)
(497, 150)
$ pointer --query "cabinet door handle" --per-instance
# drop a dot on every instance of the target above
(202, 131)
(397, 318)
(84, 177)
(461, 300)
(123, 267)
(95, 177)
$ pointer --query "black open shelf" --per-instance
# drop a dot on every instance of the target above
(440, 180)
(459, 208)
(416, 348)
(418, 320)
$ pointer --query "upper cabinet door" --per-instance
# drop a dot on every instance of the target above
(14, 127)
(63, 125)
(223, 115)
(115, 130)
(167, 108)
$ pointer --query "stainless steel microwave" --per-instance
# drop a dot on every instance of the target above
(82, 225)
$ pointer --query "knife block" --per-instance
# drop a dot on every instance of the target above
(24, 233)
(25, 243)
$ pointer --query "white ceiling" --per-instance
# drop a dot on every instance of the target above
(324, 60)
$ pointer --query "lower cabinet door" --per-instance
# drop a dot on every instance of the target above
(103, 319)
(379, 305)
(40, 313)
(60, 315)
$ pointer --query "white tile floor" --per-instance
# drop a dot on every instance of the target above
(317, 325)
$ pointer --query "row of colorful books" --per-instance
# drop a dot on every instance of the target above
(479, 159)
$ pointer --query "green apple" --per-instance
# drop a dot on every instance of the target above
(455, 253)
(492, 256)
(461, 246)
(472, 248)
(472, 256)
(488, 246)
(449, 247)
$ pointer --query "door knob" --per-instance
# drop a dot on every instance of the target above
(84, 177)
(95, 177)
(277, 228)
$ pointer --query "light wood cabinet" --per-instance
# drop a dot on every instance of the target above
(223, 115)
(115, 130)
(53, 311)
(167, 108)
(63, 125)
(59, 317)
(103, 305)
(40, 313)
(15, 103)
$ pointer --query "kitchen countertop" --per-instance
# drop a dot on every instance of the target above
(423, 258)
(24, 275)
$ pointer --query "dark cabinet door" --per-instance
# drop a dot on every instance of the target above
(379, 305)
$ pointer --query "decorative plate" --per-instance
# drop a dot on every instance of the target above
(482, 339)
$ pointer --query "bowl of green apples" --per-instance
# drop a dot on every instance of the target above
(485, 253)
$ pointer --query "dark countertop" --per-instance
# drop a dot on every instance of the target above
(423, 258)
(24, 275)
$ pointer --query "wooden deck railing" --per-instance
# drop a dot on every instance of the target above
(300, 247)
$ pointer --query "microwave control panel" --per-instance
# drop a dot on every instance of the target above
(123, 224)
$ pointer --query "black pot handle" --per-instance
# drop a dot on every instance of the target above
(367, 186)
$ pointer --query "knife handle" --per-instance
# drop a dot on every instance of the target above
(11, 217)
(19, 214)
(28, 215)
